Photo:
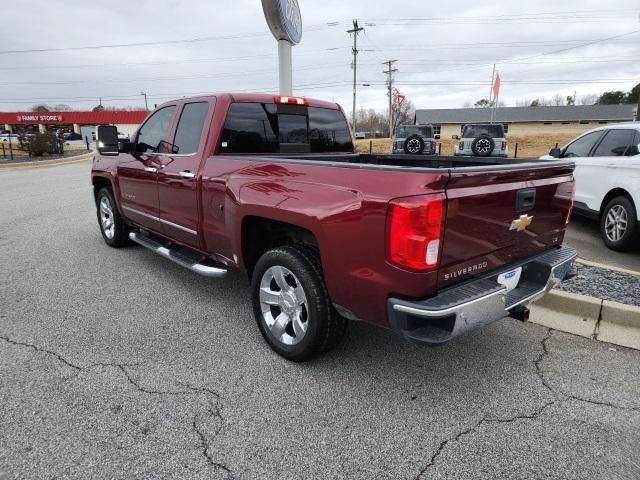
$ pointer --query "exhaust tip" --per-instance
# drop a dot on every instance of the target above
(520, 312)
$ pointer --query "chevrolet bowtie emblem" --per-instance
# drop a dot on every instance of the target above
(521, 223)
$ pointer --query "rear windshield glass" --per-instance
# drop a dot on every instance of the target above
(473, 131)
(405, 130)
(272, 128)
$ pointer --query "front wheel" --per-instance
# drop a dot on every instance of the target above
(114, 231)
(291, 303)
(619, 225)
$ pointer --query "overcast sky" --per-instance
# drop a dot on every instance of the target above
(445, 50)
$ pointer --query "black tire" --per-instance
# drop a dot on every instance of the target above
(120, 236)
(413, 145)
(324, 327)
(483, 146)
(629, 239)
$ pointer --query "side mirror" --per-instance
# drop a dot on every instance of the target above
(437, 136)
(555, 152)
(455, 137)
(167, 147)
(107, 139)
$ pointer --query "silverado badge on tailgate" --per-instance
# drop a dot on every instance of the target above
(521, 223)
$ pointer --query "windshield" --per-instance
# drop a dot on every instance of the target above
(406, 130)
(474, 131)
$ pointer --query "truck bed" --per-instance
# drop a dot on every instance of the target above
(427, 162)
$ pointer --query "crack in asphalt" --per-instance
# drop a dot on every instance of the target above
(77, 368)
(215, 412)
(559, 397)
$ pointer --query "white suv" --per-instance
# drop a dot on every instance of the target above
(608, 180)
(481, 140)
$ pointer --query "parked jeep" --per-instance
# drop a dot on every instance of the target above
(482, 140)
(414, 140)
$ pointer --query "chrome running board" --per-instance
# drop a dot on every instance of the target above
(177, 257)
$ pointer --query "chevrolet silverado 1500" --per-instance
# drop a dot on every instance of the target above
(431, 247)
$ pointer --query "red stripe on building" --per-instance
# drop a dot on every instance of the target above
(81, 118)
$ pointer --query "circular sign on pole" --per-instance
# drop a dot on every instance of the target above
(284, 19)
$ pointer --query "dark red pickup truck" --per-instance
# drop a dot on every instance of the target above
(431, 247)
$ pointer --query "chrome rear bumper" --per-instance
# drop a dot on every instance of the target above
(470, 305)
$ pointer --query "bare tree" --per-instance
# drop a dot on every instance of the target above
(589, 99)
(404, 112)
(41, 108)
(558, 100)
(62, 107)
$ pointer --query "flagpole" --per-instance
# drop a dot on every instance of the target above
(493, 74)
(495, 99)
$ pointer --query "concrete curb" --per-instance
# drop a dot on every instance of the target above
(48, 163)
(589, 317)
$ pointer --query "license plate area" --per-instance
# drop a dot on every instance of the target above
(510, 279)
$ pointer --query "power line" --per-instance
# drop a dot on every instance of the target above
(161, 42)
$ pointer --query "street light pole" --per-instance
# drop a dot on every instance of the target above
(146, 106)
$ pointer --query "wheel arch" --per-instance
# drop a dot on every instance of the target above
(617, 192)
(260, 234)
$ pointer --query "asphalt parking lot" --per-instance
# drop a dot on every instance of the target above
(118, 364)
(584, 236)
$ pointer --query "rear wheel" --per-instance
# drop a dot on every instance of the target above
(291, 303)
(114, 231)
(414, 145)
(483, 146)
(619, 225)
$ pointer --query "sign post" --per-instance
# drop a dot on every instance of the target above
(285, 23)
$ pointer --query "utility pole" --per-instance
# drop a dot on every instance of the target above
(355, 30)
(390, 71)
(146, 106)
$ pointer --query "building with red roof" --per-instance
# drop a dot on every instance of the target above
(126, 121)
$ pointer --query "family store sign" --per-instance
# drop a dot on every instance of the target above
(39, 118)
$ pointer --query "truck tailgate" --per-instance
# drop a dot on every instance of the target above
(496, 216)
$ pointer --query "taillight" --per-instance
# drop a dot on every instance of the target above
(433, 146)
(504, 145)
(291, 100)
(414, 231)
(461, 146)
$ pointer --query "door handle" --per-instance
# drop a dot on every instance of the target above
(150, 169)
(187, 174)
(612, 165)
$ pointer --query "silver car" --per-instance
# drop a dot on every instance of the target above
(414, 140)
(482, 140)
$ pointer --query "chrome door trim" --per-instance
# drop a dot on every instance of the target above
(161, 220)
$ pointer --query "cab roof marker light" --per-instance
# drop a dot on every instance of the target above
(291, 100)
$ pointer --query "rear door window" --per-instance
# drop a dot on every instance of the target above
(474, 131)
(616, 143)
(271, 128)
(582, 146)
(408, 130)
(190, 125)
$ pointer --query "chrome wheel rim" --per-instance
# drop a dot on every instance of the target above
(413, 146)
(615, 224)
(283, 303)
(106, 218)
(483, 145)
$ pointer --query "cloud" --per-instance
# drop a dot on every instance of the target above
(445, 55)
